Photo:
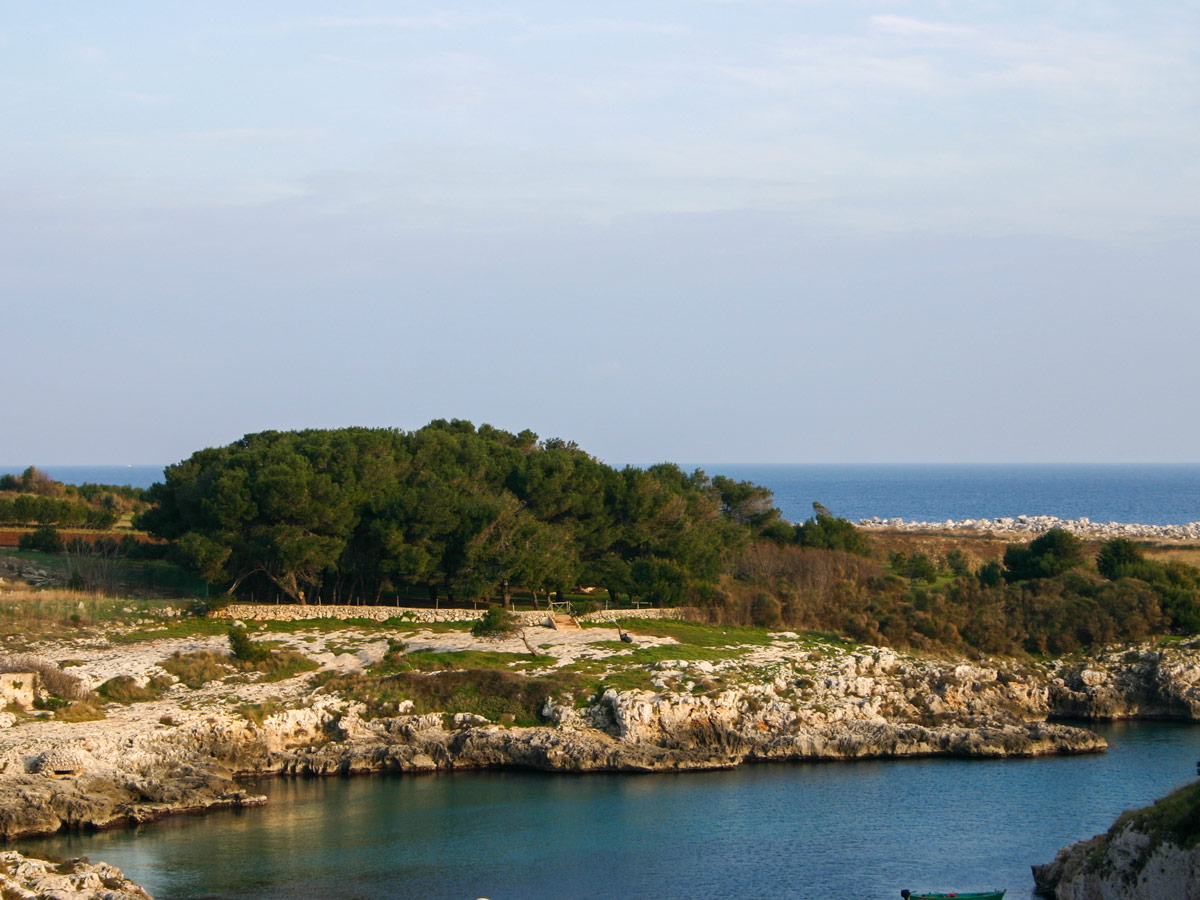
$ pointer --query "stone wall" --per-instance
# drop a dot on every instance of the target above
(265, 612)
(290, 612)
(18, 688)
(679, 613)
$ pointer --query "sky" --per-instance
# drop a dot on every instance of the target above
(724, 230)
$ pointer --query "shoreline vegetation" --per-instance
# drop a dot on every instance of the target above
(551, 613)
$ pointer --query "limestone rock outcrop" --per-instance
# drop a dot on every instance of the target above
(1149, 854)
(1148, 682)
(23, 878)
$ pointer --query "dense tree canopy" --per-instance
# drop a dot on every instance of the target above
(358, 513)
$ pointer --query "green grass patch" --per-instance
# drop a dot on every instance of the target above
(599, 675)
(609, 645)
(491, 693)
(188, 626)
(657, 653)
(440, 661)
(698, 634)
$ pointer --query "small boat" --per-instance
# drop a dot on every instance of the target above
(934, 895)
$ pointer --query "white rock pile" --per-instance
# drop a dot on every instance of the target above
(1033, 525)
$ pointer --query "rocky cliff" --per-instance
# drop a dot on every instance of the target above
(1146, 682)
(1148, 854)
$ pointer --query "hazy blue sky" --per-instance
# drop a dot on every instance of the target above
(727, 231)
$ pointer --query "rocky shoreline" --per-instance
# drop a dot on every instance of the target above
(25, 878)
(1031, 526)
(788, 699)
(809, 705)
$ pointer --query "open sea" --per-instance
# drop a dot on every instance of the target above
(1147, 494)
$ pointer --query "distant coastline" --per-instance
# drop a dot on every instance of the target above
(1148, 495)
(1022, 526)
(139, 476)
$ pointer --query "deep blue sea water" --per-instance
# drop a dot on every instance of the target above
(830, 831)
(133, 476)
(1148, 494)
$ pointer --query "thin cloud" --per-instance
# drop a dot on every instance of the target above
(435, 21)
(250, 134)
(908, 27)
(139, 96)
(590, 27)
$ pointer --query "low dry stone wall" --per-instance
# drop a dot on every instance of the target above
(266, 612)
(679, 613)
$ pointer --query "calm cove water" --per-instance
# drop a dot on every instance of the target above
(833, 831)
(1149, 494)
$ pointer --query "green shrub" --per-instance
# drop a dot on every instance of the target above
(45, 539)
(495, 622)
(245, 649)
(765, 610)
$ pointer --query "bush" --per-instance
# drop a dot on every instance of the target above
(124, 689)
(245, 649)
(825, 532)
(1053, 553)
(45, 539)
(991, 574)
(583, 607)
(765, 610)
(495, 622)
(958, 563)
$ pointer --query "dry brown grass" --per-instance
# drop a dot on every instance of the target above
(79, 711)
(198, 668)
(202, 666)
(1187, 554)
(51, 678)
(980, 548)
